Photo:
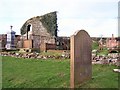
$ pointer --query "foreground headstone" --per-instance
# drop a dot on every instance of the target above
(81, 63)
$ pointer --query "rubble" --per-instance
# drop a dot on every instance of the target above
(114, 60)
(33, 55)
(106, 60)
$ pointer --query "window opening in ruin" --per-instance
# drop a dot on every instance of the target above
(28, 29)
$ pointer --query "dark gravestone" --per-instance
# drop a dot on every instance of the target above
(81, 63)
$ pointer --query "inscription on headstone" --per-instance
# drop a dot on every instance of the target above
(80, 64)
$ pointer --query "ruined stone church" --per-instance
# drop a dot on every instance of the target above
(38, 31)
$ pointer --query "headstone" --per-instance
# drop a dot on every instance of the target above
(81, 63)
(10, 39)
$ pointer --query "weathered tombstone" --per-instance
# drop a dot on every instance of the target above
(81, 63)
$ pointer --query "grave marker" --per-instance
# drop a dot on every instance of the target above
(80, 64)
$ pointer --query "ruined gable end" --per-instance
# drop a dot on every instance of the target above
(42, 24)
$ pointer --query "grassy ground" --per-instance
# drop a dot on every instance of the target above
(103, 77)
(95, 45)
(31, 73)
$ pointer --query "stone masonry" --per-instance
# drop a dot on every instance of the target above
(39, 33)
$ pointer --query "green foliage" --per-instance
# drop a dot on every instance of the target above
(33, 73)
(23, 30)
(49, 21)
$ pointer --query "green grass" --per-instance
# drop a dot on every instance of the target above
(103, 52)
(103, 77)
(31, 73)
(51, 53)
(95, 45)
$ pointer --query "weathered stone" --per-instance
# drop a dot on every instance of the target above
(66, 54)
(22, 50)
(43, 29)
(81, 63)
(39, 57)
(116, 70)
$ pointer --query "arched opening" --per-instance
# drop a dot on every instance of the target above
(29, 28)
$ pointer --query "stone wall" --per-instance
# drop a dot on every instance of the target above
(47, 46)
(40, 31)
(42, 24)
(63, 43)
(3, 40)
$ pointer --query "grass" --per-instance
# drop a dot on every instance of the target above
(32, 73)
(103, 77)
(103, 52)
(95, 45)
(51, 53)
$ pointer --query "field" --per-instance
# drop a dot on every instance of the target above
(32, 73)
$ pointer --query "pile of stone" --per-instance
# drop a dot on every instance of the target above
(65, 55)
(106, 60)
(34, 55)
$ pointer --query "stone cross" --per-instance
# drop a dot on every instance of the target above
(81, 63)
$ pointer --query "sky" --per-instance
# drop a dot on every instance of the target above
(97, 17)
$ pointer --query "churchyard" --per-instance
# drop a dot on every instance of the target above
(80, 67)
(39, 58)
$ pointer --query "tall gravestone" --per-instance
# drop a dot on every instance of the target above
(10, 39)
(80, 64)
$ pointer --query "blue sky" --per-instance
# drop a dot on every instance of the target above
(97, 17)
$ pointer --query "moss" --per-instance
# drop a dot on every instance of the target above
(23, 30)
(49, 21)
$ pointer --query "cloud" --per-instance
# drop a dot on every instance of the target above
(68, 26)
(95, 27)
(90, 15)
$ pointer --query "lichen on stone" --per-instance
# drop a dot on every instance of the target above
(49, 21)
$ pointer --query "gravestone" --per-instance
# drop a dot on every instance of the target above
(10, 39)
(81, 63)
